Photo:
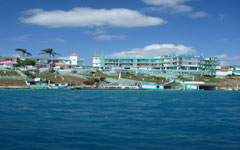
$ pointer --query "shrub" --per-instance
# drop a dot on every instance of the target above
(29, 74)
(89, 82)
(180, 77)
(228, 76)
(102, 78)
(52, 71)
(96, 80)
(74, 71)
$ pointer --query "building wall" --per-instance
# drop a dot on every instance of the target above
(153, 86)
(14, 59)
(74, 60)
(97, 62)
(223, 73)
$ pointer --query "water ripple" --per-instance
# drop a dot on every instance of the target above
(119, 120)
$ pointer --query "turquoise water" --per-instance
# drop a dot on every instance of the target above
(119, 120)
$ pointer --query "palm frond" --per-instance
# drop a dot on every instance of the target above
(46, 51)
(50, 52)
(21, 50)
(57, 54)
(41, 53)
(28, 54)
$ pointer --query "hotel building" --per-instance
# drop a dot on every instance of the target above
(159, 65)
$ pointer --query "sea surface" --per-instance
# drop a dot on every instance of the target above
(119, 120)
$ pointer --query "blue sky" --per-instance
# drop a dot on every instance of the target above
(122, 27)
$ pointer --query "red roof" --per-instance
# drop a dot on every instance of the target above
(8, 62)
(42, 63)
(61, 64)
(16, 55)
(97, 55)
(74, 54)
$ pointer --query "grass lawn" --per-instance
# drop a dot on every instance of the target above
(62, 79)
(158, 80)
(100, 74)
(129, 76)
(8, 73)
(205, 79)
(225, 82)
(12, 82)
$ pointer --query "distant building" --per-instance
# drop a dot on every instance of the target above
(171, 65)
(42, 63)
(223, 71)
(74, 59)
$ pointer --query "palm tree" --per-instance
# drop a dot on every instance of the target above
(51, 54)
(24, 51)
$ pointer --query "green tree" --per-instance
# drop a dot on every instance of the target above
(26, 62)
(29, 62)
(19, 62)
(24, 51)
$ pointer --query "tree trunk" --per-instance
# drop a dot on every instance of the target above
(51, 62)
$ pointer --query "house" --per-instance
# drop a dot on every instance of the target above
(8, 62)
(43, 63)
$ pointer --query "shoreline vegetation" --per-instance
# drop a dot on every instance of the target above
(14, 80)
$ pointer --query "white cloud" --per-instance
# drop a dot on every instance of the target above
(174, 7)
(110, 37)
(227, 60)
(221, 16)
(198, 14)
(224, 63)
(164, 2)
(88, 17)
(94, 32)
(101, 35)
(59, 40)
(169, 6)
(21, 38)
(171, 10)
(155, 49)
(226, 57)
(54, 40)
